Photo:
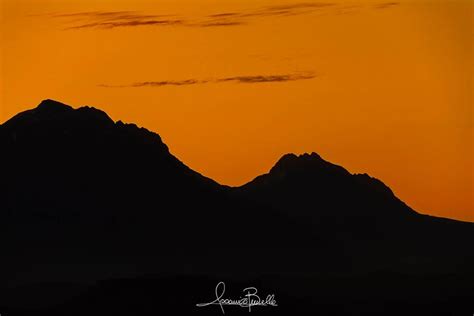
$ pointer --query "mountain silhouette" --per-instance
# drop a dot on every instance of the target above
(85, 199)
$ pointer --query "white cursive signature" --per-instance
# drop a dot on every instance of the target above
(250, 299)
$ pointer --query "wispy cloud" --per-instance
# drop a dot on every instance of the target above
(121, 19)
(296, 8)
(385, 5)
(186, 82)
(270, 78)
(114, 24)
(219, 23)
(247, 16)
(223, 15)
(113, 19)
(236, 79)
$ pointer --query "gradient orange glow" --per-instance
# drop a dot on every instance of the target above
(391, 93)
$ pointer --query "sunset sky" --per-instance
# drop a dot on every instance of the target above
(383, 88)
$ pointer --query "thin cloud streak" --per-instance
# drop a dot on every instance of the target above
(236, 79)
(271, 78)
(110, 25)
(386, 5)
(120, 19)
(219, 23)
(186, 82)
(113, 19)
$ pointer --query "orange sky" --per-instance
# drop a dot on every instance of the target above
(375, 87)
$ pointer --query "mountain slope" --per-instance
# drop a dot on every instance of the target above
(84, 198)
(308, 180)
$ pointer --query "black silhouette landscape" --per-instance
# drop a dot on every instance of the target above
(99, 218)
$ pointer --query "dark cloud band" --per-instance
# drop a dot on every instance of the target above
(236, 79)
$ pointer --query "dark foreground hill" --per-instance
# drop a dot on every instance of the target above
(97, 218)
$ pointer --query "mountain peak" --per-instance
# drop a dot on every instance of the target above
(53, 106)
(290, 162)
(51, 110)
(291, 157)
